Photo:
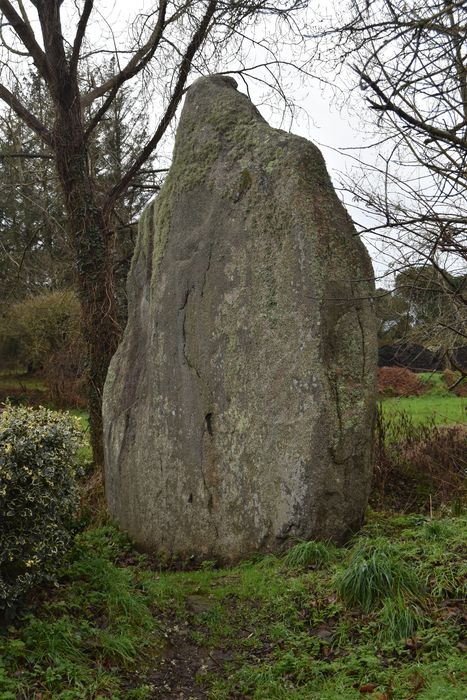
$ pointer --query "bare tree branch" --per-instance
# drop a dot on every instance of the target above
(26, 115)
(26, 35)
(177, 95)
(138, 61)
(80, 32)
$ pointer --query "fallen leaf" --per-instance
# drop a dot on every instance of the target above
(413, 643)
(367, 688)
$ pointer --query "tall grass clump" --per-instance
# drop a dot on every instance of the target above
(398, 619)
(375, 572)
(305, 554)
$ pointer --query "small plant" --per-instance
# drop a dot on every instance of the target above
(38, 497)
(305, 554)
(435, 530)
(398, 619)
(375, 572)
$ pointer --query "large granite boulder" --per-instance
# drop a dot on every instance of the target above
(238, 409)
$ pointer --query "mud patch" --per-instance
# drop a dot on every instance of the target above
(181, 673)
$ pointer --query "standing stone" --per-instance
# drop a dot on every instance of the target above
(238, 409)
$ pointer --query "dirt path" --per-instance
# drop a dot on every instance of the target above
(178, 675)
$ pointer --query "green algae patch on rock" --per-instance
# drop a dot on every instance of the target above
(239, 407)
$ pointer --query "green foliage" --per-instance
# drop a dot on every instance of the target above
(421, 298)
(38, 496)
(305, 554)
(98, 623)
(40, 326)
(435, 530)
(375, 572)
(42, 333)
(398, 619)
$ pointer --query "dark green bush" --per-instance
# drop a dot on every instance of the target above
(38, 497)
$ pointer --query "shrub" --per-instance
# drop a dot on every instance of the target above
(398, 381)
(42, 333)
(40, 325)
(38, 497)
(418, 467)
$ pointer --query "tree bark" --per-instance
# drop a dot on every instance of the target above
(91, 238)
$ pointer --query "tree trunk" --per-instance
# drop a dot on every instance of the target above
(91, 237)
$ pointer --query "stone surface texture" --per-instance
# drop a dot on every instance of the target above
(238, 409)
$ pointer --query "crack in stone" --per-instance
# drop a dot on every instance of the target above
(183, 308)
(335, 387)
(203, 284)
(360, 325)
(203, 476)
(185, 299)
(207, 424)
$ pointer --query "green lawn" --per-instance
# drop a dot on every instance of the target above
(82, 415)
(21, 380)
(437, 404)
(442, 408)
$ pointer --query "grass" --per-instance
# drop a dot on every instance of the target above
(305, 554)
(375, 572)
(437, 404)
(308, 625)
(95, 621)
(443, 409)
(21, 380)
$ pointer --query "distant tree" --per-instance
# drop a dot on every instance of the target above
(416, 307)
(391, 314)
(34, 253)
(433, 316)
